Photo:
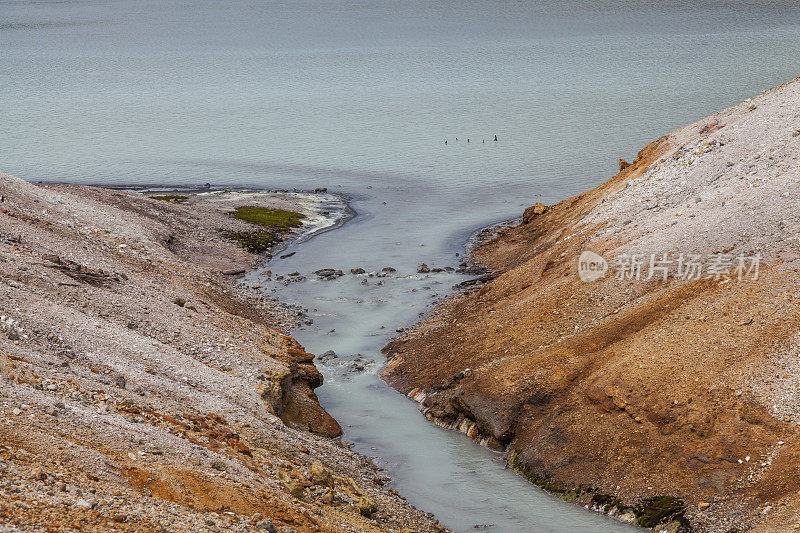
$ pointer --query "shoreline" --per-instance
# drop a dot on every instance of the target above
(316, 205)
(141, 386)
(589, 385)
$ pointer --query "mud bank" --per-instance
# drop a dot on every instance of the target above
(142, 388)
(670, 395)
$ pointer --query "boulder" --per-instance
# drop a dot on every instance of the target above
(366, 506)
(320, 475)
(533, 211)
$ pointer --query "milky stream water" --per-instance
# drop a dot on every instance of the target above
(359, 97)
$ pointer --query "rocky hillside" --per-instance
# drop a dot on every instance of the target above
(142, 389)
(666, 390)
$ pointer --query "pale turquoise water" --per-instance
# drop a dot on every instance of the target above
(359, 97)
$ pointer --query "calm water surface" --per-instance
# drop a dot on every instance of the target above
(359, 97)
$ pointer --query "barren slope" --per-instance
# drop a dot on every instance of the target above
(140, 389)
(642, 388)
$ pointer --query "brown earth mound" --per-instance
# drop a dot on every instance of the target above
(673, 401)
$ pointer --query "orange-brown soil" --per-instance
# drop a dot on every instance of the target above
(629, 390)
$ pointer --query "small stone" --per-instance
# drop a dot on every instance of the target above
(366, 506)
(84, 504)
(422, 268)
(357, 270)
(533, 211)
(293, 487)
(16, 411)
(267, 525)
(319, 474)
(303, 448)
(702, 506)
(216, 464)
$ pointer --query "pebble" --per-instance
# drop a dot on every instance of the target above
(84, 504)
(266, 525)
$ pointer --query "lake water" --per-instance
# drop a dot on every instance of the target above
(359, 97)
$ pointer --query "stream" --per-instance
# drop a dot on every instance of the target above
(465, 485)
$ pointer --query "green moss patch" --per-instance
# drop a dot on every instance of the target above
(174, 198)
(653, 511)
(279, 219)
(255, 242)
(649, 513)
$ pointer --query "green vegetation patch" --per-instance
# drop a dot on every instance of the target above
(653, 511)
(174, 198)
(649, 513)
(270, 218)
(255, 242)
(544, 484)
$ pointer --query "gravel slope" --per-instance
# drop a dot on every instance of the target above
(141, 389)
(683, 389)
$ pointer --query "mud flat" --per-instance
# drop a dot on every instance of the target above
(667, 399)
(143, 388)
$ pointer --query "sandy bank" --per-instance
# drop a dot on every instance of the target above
(142, 389)
(672, 400)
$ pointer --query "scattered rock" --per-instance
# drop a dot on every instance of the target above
(266, 525)
(366, 506)
(320, 475)
(84, 504)
(328, 273)
(423, 268)
(532, 212)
